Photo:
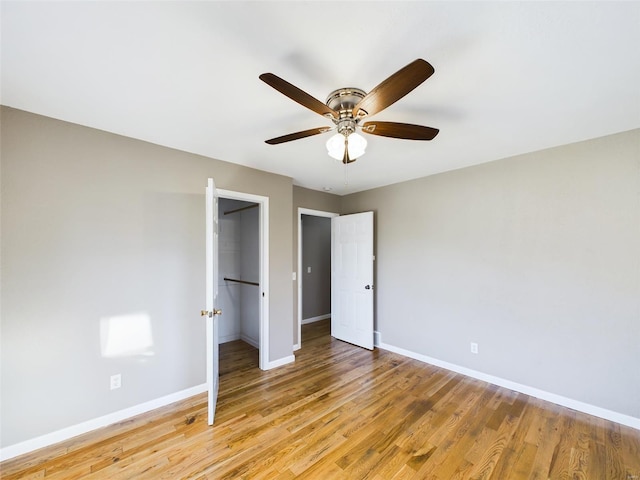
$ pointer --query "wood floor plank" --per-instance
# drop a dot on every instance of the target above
(560, 462)
(452, 445)
(550, 435)
(519, 456)
(484, 467)
(341, 412)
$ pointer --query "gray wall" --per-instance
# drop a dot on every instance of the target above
(316, 254)
(536, 258)
(97, 226)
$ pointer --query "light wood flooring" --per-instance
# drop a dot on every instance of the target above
(341, 412)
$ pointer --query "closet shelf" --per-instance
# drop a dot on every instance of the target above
(241, 281)
(241, 209)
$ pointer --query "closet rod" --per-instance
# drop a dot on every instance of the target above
(241, 209)
(241, 281)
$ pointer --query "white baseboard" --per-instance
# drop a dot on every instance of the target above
(534, 392)
(280, 362)
(85, 427)
(229, 338)
(250, 341)
(304, 321)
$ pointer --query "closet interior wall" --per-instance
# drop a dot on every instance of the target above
(238, 244)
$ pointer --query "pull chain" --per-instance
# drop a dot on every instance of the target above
(346, 160)
(346, 176)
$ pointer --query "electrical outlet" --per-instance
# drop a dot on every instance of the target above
(116, 381)
(308, 269)
(474, 347)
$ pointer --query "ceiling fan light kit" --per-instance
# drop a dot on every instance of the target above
(356, 146)
(347, 107)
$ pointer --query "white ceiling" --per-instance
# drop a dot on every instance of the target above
(510, 77)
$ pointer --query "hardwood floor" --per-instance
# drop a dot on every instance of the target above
(341, 412)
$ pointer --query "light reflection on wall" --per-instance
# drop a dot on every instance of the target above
(126, 336)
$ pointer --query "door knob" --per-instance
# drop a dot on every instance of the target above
(206, 313)
(368, 287)
(217, 311)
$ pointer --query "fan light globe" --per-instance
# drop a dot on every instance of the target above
(357, 146)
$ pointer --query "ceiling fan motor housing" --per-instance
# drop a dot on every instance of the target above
(342, 101)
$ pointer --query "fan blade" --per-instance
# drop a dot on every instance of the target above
(400, 130)
(297, 95)
(297, 135)
(394, 88)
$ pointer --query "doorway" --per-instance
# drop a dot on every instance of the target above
(314, 267)
(243, 270)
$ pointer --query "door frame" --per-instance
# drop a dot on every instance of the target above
(263, 242)
(314, 213)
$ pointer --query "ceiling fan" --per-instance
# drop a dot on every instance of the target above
(348, 107)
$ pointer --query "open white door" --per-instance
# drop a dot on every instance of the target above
(212, 313)
(352, 279)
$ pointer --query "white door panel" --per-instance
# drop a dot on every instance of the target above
(352, 279)
(212, 313)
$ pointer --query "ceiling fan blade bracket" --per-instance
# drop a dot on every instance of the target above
(359, 114)
(331, 117)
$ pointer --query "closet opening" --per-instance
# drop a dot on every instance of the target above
(241, 286)
(314, 267)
